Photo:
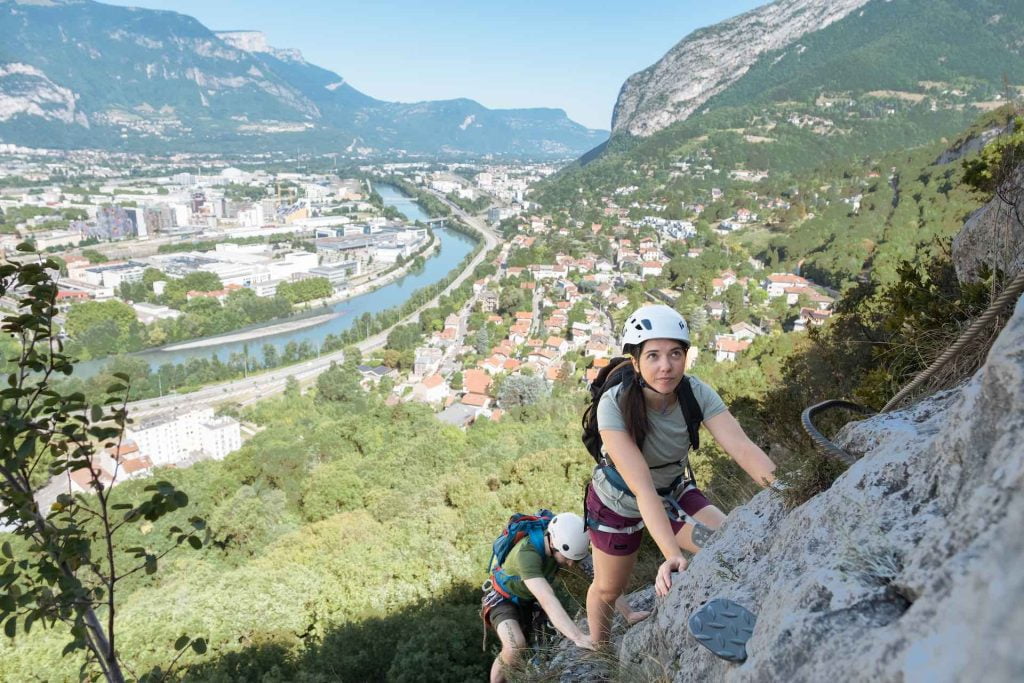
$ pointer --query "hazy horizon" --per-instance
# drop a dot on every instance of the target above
(570, 55)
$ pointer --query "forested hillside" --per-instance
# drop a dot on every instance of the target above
(354, 537)
(837, 206)
(900, 46)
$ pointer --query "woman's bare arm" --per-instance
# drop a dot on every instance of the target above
(747, 454)
(630, 463)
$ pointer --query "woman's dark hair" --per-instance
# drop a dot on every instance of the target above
(634, 409)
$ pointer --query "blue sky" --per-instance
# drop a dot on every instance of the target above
(570, 54)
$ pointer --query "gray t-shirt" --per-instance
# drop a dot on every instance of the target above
(667, 442)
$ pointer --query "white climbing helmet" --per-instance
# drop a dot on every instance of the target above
(654, 322)
(569, 535)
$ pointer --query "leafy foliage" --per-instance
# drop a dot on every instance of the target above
(66, 564)
(305, 290)
(522, 390)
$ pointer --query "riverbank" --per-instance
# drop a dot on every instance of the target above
(257, 385)
(267, 331)
(385, 278)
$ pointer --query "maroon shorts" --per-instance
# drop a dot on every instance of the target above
(692, 501)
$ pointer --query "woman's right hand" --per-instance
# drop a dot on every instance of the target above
(663, 582)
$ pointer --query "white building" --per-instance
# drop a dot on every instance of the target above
(427, 360)
(113, 274)
(182, 214)
(432, 389)
(389, 253)
(241, 274)
(728, 347)
(150, 313)
(267, 288)
(56, 238)
(444, 186)
(776, 284)
(171, 439)
(219, 436)
(293, 263)
(251, 217)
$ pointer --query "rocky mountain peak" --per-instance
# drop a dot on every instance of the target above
(182, 86)
(709, 60)
(256, 41)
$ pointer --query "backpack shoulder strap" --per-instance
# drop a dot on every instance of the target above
(537, 539)
(692, 413)
(619, 371)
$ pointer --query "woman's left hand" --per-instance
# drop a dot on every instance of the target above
(663, 583)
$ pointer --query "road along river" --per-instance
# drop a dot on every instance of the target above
(332, 319)
(259, 386)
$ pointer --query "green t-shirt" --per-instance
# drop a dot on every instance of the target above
(667, 441)
(525, 561)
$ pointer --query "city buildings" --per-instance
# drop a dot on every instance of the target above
(173, 440)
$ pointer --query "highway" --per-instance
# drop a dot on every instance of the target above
(249, 390)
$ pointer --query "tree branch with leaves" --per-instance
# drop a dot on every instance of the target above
(66, 570)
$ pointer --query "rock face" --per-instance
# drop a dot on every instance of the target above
(256, 41)
(709, 60)
(993, 235)
(910, 568)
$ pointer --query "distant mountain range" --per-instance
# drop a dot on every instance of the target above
(77, 73)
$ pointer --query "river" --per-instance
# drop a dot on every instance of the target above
(454, 246)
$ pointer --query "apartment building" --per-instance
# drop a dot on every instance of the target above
(196, 434)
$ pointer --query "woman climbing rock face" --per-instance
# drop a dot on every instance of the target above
(644, 479)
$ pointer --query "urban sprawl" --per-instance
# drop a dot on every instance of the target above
(121, 228)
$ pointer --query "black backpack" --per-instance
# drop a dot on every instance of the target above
(625, 375)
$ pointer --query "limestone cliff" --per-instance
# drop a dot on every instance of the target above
(88, 74)
(709, 60)
(993, 235)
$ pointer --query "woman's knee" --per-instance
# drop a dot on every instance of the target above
(710, 517)
(611, 575)
(609, 589)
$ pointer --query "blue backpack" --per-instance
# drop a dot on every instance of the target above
(519, 526)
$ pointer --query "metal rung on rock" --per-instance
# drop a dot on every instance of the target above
(724, 627)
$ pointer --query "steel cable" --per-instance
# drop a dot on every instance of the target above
(822, 442)
(1005, 298)
(830, 449)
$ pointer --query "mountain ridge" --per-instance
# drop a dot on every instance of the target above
(801, 50)
(81, 73)
(657, 97)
